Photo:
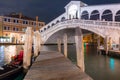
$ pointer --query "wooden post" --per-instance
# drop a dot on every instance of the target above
(110, 43)
(98, 44)
(65, 45)
(106, 44)
(59, 45)
(79, 48)
(36, 43)
(119, 43)
(27, 48)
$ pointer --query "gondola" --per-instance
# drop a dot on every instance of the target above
(13, 68)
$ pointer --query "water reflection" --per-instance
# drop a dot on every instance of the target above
(6, 52)
(1, 55)
(99, 67)
(9, 51)
(112, 64)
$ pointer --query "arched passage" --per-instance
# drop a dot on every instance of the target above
(95, 15)
(52, 24)
(57, 21)
(117, 16)
(63, 19)
(107, 15)
(85, 15)
(60, 27)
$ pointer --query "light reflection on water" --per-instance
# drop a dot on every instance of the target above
(112, 64)
(1, 55)
(6, 52)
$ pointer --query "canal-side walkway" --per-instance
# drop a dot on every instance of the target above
(54, 66)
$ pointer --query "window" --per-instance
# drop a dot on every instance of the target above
(4, 27)
(41, 30)
(14, 29)
(24, 22)
(17, 21)
(34, 23)
(14, 21)
(8, 28)
(6, 34)
(8, 20)
(5, 19)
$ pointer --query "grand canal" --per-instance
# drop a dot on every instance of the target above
(99, 67)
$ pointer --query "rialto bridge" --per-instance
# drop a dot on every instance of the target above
(100, 19)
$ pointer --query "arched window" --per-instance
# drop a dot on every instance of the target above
(48, 27)
(107, 15)
(63, 19)
(44, 29)
(117, 16)
(57, 21)
(85, 15)
(95, 15)
(52, 24)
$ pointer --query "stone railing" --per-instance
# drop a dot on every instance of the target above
(108, 24)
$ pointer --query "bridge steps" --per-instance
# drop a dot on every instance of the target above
(54, 66)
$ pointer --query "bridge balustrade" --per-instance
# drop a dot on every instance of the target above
(90, 22)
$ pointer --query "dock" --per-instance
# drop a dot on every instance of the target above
(50, 65)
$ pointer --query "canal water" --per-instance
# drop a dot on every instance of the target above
(99, 67)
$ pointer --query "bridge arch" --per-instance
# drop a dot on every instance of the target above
(95, 15)
(117, 16)
(57, 21)
(85, 15)
(48, 27)
(73, 25)
(52, 24)
(107, 15)
(63, 19)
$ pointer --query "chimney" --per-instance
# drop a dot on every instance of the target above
(37, 28)
(36, 18)
(20, 15)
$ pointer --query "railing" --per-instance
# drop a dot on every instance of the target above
(87, 22)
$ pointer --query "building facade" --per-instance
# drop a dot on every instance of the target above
(13, 27)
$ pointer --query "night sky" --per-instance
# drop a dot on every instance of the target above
(47, 10)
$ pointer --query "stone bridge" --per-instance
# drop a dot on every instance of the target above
(102, 28)
(103, 20)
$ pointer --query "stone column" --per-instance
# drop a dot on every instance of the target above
(27, 48)
(79, 48)
(98, 44)
(110, 43)
(65, 44)
(119, 43)
(106, 44)
(59, 45)
(37, 44)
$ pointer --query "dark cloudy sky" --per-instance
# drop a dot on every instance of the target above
(47, 10)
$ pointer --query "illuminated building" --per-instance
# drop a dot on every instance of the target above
(13, 26)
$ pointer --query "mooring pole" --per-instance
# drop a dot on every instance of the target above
(59, 45)
(79, 48)
(98, 44)
(65, 45)
(106, 44)
(27, 48)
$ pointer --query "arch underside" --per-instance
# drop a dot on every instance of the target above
(59, 27)
(114, 34)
